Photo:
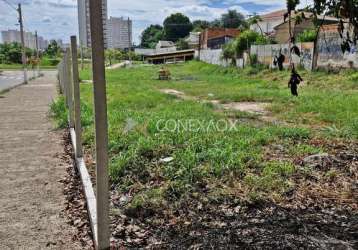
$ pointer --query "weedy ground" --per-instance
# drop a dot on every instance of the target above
(159, 173)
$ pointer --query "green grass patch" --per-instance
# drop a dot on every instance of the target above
(139, 138)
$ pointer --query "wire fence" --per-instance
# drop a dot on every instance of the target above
(69, 85)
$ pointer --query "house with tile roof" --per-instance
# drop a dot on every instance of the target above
(269, 21)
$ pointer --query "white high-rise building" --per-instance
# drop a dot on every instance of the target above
(84, 22)
(119, 33)
(10, 36)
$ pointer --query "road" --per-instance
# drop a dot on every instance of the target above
(10, 79)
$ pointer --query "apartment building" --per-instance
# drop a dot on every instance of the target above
(84, 22)
(119, 33)
(10, 36)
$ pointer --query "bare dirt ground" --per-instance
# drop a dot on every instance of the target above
(32, 195)
(260, 109)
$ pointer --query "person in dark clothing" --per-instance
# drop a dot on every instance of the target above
(280, 60)
(295, 80)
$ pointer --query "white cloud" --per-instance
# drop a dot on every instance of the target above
(37, 13)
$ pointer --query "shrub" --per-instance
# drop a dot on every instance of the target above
(59, 112)
(241, 44)
(307, 36)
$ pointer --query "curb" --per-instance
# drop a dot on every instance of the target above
(20, 84)
(88, 189)
(10, 88)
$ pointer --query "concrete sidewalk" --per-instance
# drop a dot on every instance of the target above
(31, 196)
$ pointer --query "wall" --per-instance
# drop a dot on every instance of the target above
(266, 54)
(329, 50)
(213, 57)
(148, 52)
(145, 52)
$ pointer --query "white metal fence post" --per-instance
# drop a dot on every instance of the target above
(100, 106)
(76, 95)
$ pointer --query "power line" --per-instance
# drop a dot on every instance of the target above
(12, 6)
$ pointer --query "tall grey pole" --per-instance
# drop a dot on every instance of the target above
(37, 55)
(81, 51)
(101, 126)
(23, 57)
(76, 97)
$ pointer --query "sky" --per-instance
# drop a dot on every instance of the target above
(57, 19)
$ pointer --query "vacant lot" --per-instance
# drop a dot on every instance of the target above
(226, 158)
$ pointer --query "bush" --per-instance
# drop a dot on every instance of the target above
(241, 44)
(59, 112)
(45, 61)
(11, 53)
(307, 36)
(182, 44)
(254, 60)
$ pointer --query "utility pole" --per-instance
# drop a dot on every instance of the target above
(101, 124)
(81, 51)
(37, 55)
(24, 60)
(24, 66)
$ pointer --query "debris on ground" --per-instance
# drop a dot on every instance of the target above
(319, 160)
(317, 213)
(76, 208)
(164, 74)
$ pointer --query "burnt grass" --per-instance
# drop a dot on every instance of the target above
(241, 226)
(317, 213)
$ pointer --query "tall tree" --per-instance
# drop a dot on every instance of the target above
(291, 6)
(182, 44)
(177, 26)
(343, 9)
(151, 36)
(216, 23)
(53, 50)
(233, 19)
(199, 25)
(255, 20)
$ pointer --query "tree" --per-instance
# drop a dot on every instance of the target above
(308, 35)
(255, 20)
(343, 9)
(243, 43)
(216, 23)
(53, 50)
(200, 25)
(151, 36)
(291, 6)
(233, 19)
(11, 53)
(177, 26)
(182, 44)
(229, 51)
(113, 55)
